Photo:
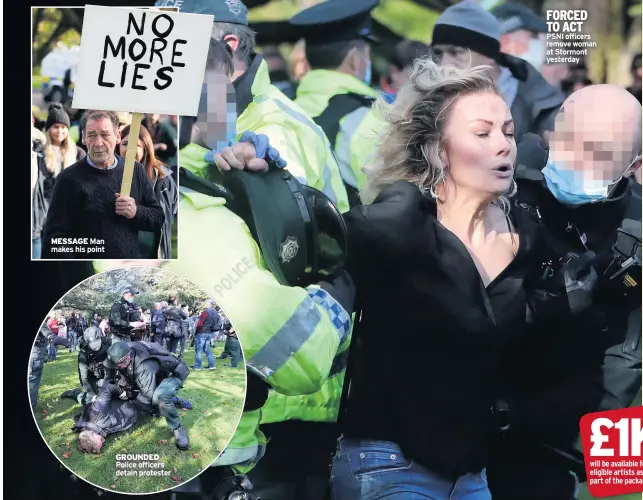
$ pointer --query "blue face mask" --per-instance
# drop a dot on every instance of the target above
(571, 187)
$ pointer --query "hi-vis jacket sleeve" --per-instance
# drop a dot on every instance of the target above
(289, 335)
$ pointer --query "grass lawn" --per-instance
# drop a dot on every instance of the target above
(217, 396)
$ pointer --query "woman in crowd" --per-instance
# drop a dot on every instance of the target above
(60, 150)
(154, 245)
(436, 243)
(39, 204)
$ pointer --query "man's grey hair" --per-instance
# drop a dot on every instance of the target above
(246, 36)
(97, 114)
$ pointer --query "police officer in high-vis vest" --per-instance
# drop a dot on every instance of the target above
(336, 91)
(264, 109)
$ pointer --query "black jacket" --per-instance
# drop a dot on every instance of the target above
(120, 316)
(90, 364)
(536, 103)
(152, 363)
(436, 404)
(108, 414)
(568, 369)
(173, 315)
(167, 194)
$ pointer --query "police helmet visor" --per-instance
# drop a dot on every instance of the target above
(301, 233)
(330, 229)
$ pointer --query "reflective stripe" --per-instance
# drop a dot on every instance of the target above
(261, 98)
(347, 129)
(338, 316)
(233, 456)
(326, 172)
(287, 341)
(339, 363)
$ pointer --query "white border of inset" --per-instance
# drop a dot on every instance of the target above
(245, 391)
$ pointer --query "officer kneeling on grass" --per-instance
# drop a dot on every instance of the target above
(158, 376)
(92, 353)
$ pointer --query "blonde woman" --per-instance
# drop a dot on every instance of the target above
(60, 150)
(434, 243)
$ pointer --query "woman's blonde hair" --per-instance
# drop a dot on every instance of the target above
(411, 145)
(68, 150)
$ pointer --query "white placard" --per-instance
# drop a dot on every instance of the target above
(141, 60)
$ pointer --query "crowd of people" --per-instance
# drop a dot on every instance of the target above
(107, 392)
(63, 141)
(487, 202)
(464, 214)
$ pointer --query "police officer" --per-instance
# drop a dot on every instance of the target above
(587, 200)
(157, 375)
(174, 317)
(264, 109)
(124, 315)
(336, 92)
(262, 305)
(92, 352)
(37, 362)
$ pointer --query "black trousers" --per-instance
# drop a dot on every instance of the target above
(518, 472)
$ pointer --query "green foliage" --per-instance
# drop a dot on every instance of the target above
(100, 291)
(407, 18)
(277, 10)
(635, 10)
(49, 28)
(217, 397)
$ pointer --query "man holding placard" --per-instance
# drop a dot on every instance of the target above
(132, 60)
(88, 216)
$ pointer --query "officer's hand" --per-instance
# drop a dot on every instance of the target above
(240, 156)
(580, 280)
(123, 396)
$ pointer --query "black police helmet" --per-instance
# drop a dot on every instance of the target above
(131, 289)
(301, 232)
(117, 353)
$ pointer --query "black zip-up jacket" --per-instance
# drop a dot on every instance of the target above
(437, 404)
(590, 362)
(120, 316)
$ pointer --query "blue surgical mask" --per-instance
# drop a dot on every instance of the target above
(572, 187)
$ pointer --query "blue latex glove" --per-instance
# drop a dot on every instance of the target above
(262, 147)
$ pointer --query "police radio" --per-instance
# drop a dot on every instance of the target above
(623, 273)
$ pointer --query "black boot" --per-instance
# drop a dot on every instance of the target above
(181, 438)
(71, 394)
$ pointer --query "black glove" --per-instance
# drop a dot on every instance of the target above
(531, 153)
(580, 280)
(569, 291)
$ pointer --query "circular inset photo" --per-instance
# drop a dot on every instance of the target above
(136, 380)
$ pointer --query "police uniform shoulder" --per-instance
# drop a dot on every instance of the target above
(336, 20)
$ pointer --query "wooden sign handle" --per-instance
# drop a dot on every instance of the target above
(130, 156)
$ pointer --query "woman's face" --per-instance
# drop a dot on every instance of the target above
(58, 133)
(480, 145)
(139, 148)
